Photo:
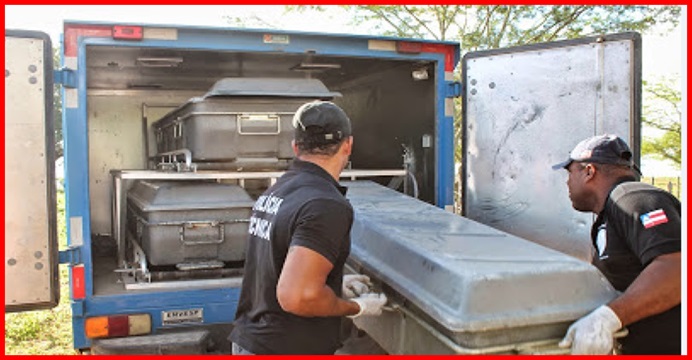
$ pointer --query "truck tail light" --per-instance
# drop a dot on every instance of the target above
(127, 32)
(408, 47)
(117, 326)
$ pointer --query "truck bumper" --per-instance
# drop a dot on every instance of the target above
(188, 342)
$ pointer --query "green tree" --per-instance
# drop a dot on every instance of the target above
(661, 112)
(493, 26)
(502, 26)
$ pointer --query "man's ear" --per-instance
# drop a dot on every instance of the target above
(295, 148)
(347, 146)
(590, 171)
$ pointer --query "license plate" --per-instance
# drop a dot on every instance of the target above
(186, 316)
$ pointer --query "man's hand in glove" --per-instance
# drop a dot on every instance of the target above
(593, 334)
(370, 304)
(355, 285)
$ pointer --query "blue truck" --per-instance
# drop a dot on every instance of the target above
(157, 203)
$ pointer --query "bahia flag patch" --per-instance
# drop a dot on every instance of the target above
(651, 219)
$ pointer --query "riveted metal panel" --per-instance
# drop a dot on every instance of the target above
(525, 108)
(31, 270)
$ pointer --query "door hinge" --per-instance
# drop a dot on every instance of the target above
(66, 77)
(453, 89)
(71, 256)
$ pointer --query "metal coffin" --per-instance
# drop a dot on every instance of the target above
(240, 123)
(470, 288)
(183, 223)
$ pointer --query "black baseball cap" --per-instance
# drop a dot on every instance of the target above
(601, 149)
(321, 123)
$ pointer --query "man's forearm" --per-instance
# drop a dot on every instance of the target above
(323, 302)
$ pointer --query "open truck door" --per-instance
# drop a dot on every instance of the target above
(31, 245)
(524, 109)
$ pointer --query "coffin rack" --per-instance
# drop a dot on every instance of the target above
(121, 181)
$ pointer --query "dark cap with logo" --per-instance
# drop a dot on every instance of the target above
(601, 149)
(321, 123)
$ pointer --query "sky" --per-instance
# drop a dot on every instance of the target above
(662, 55)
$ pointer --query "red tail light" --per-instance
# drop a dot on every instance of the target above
(117, 326)
(127, 32)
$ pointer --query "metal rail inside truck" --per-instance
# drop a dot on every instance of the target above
(171, 133)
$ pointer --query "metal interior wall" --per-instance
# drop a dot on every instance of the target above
(115, 120)
(383, 124)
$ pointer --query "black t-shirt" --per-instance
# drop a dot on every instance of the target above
(638, 223)
(305, 207)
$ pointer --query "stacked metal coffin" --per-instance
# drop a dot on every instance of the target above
(457, 286)
(241, 124)
(191, 225)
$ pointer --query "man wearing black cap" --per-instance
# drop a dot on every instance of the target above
(299, 239)
(636, 237)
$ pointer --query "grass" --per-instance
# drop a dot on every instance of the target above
(44, 332)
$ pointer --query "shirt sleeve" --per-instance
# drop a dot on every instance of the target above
(654, 227)
(323, 225)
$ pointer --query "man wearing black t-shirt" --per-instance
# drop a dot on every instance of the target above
(636, 237)
(299, 238)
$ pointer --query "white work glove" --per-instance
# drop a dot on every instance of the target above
(355, 285)
(593, 334)
(370, 304)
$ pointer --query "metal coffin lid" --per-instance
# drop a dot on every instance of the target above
(300, 88)
(466, 276)
(178, 195)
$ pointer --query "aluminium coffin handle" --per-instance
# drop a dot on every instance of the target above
(246, 119)
(199, 224)
(187, 242)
